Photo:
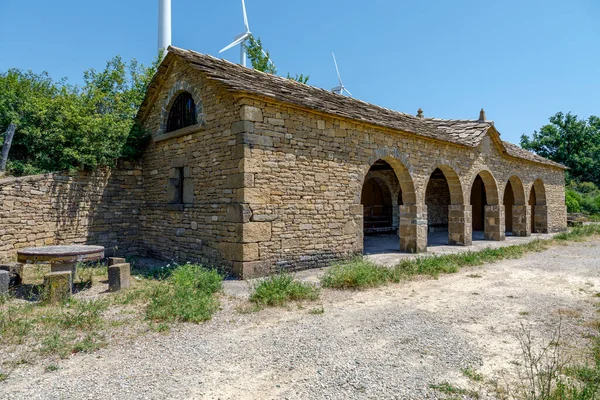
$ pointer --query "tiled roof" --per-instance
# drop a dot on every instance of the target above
(236, 78)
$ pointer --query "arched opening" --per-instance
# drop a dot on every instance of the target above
(386, 191)
(487, 215)
(377, 206)
(509, 202)
(515, 209)
(539, 211)
(182, 113)
(443, 195)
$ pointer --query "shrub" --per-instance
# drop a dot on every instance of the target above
(357, 273)
(278, 290)
(572, 202)
(187, 295)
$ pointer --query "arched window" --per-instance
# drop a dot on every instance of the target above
(183, 113)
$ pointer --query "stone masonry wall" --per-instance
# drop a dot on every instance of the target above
(305, 170)
(100, 208)
(198, 230)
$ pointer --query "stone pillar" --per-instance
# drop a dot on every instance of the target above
(541, 219)
(493, 223)
(413, 229)
(68, 267)
(460, 225)
(118, 277)
(115, 261)
(57, 286)
(521, 218)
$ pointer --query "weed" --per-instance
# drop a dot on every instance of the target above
(3, 376)
(51, 368)
(278, 290)
(187, 295)
(523, 313)
(317, 310)
(448, 388)
(357, 273)
(473, 276)
(469, 372)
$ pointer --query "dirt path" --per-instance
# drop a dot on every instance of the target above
(392, 342)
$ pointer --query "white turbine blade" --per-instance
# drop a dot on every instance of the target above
(266, 55)
(235, 43)
(245, 16)
(337, 69)
(347, 91)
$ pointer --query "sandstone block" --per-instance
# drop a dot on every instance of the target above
(238, 213)
(249, 113)
(57, 286)
(115, 260)
(253, 269)
(239, 251)
(251, 232)
(242, 126)
(118, 277)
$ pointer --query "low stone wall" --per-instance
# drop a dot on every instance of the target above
(100, 208)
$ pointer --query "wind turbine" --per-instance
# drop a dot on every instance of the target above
(241, 40)
(340, 88)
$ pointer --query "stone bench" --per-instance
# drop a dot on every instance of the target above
(15, 270)
(57, 286)
(118, 277)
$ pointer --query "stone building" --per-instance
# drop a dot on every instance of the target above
(257, 173)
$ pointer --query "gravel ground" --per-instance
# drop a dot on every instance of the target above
(386, 343)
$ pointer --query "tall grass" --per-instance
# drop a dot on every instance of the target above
(187, 295)
(360, 273)
(278, 290)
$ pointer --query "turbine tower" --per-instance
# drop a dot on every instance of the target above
(241, 38)
(340, 89)
(164, 25)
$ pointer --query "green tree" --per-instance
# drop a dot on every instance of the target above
(261, 60)
(61, 126)
(571, 141)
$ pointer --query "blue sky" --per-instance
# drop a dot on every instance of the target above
(520, 60)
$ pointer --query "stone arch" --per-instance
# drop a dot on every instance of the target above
(487, 212)
(177, 89)
(539, 189)
(516, 211)
(518, 190)
(401, 169)
(456, 190)
(539, 208)
(490, 185)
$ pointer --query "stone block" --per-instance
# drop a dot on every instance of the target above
(521, 220)
(70, 267)
(239, 251)
(118, 277)
(115, 260)
(251, 232)
(460, 228)
(238, 213)
(494, 228)
(242, 126)
(4, 282)
(15, 271)
(253, 195)
(254, 139)
(253, 269)
(57, 286)
(413, 229)
(249, 113)
(241, 180)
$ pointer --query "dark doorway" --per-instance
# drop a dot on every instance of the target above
(509, 202)
(532, 202)
(437, 200)
(478, 202)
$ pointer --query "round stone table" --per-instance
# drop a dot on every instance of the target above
(61, 258)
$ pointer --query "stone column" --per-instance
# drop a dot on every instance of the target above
(493, 223)
(541, 219)
(413, 229)
(460, 225)
(521, 218)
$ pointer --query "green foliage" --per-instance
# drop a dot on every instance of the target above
(572, 142)
(278, 290)
(186, 296)
(359, 273)
(61, 126)
(261, 60)
(572, 201)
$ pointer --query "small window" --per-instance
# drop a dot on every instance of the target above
(181, 187)
(183, 113)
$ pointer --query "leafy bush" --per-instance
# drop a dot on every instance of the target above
(278, 290)
(187, 295)
(571, 199)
